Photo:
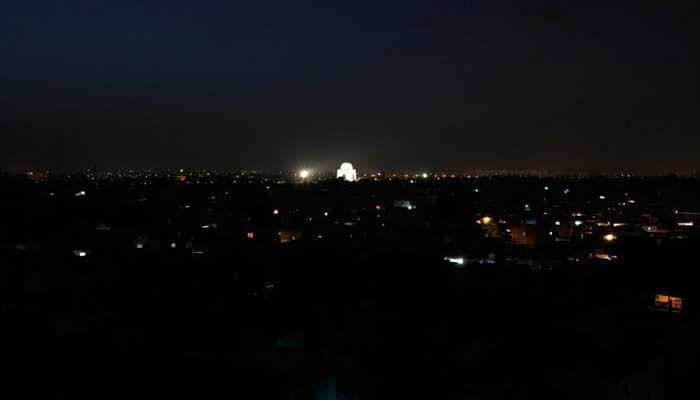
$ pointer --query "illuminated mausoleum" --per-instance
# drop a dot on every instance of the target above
(347, 172)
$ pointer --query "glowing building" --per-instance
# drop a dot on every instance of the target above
(347, 172)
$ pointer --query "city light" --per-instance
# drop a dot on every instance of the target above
(424, 175)
(304, 173)
(486, 220)
(609, 237)
(455, 260)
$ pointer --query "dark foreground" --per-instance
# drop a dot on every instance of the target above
(246, 288)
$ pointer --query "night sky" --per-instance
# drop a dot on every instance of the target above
(391, 85)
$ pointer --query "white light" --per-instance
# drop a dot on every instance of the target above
(325, 214)
(275, 211)
(425, 175)
(557, 223)
(80, 253)
(601, 197)
(609, 237)
(455, 260)
(173, 245)
(80, 193)
(139, 245)
(578, 223)
(546, 188)
(347, 172)
(304, 173)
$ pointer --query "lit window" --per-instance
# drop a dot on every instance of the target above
(668, 303)
(676, 303)
(250, 235)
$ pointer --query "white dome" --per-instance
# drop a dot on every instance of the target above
(347, 172)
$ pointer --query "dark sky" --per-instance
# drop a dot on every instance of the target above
(393, 85)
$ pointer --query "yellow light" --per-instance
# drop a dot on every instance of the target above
(486, 220)
(304, 173)
(685, 223)
(609, 237)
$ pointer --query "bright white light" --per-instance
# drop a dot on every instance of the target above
(546, 188)
(304, 173)
(80, 193)
(347, 172)
(690, 223)
(455, 260)
(425, 175)
(80, 253)
(275, 211)
(601, 197)
(325, 214)
(557, 223)
(609, 237)
(139, 245)
(173, 245)
(578, 223)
